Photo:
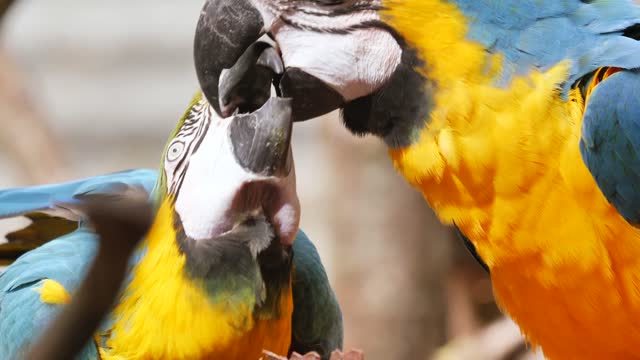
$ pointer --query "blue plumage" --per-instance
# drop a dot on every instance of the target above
(540, 33)
(18, 201)
(23, 315)
(610, 144)
(65, 259)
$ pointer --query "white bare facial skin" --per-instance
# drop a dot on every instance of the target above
(354, 64)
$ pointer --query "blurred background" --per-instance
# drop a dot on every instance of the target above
(90, 87)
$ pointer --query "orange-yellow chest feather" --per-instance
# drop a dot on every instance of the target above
(504, 165)
(163, 314)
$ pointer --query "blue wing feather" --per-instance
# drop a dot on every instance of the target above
(18, 201)
(610, 143)
(65, 259)
(537, 34)
(22, 314)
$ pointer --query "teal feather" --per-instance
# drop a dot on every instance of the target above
(317, 318)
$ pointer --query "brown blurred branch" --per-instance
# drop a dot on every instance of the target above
(25, 134)
(4, 7)
(336, 355)
(120, 224)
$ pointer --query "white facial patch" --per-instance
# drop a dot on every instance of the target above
(330, 46)
(210, 182)
(212, 189)
(354, 64)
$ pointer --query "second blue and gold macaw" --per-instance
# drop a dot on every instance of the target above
(519, 121)
(218, 276)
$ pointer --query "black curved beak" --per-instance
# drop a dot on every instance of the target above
(261, 146)
(261, 140)
(225, 30)
(247, 85)
(226, 39)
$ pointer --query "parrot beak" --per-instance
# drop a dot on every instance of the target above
(247, 85)
(225, 30)
(261, 141)
(225, 40)
(261, 144)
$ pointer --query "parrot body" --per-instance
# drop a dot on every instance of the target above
(230, 296)
(517, 120)
(200, 323)
(500, 156)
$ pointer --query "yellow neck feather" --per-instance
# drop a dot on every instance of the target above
(438, 30)
(485, 150)
(163, 314)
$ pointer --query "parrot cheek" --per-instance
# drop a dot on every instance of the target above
(354, 64)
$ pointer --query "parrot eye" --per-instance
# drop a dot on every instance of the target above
(175, 150)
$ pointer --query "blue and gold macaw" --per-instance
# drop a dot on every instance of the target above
(519, 121)
(223, 272)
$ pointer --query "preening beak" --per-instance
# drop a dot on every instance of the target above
(226, 29)
(334, 55)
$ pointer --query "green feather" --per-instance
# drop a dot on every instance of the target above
(317, 318)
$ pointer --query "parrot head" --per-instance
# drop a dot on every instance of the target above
(231, 181)
(335, 54)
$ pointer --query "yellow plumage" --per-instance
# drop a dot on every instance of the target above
(52, 292)
(185, 322)
(504, 165)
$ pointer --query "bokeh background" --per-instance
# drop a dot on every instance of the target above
(89, 87)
